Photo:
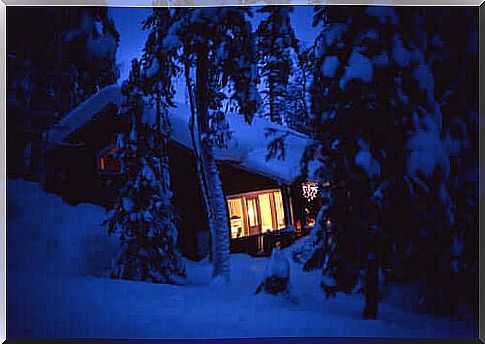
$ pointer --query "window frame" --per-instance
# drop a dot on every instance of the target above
(103, 152)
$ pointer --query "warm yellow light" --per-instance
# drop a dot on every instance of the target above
(256, 212)
(265, 209)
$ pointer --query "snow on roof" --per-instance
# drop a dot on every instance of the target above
(249, 144)
(247, 147)
(84, 112)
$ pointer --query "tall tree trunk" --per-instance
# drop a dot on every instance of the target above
(194, 134)
(220, 232)
(215, 194)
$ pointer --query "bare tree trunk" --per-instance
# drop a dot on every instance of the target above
(209, 179)
(220, 232)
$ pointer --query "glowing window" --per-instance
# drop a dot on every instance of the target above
(108, 161)
(256, 213)
(266, 213)
(236, 217)
(280, 210)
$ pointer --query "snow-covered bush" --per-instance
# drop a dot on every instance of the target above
(276, 273)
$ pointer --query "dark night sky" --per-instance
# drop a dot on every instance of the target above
(132, 37)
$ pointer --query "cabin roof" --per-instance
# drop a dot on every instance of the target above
(246, 149)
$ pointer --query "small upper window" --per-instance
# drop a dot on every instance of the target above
(108, 161)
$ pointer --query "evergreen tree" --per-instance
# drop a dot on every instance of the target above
(453, 191)
(373, 112)
(214, 47)
(277, 52)
(70, 54)
(297, 95)
(92, 45)
(283, 72)
(142, 215)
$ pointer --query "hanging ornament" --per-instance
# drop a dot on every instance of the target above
(310, 190)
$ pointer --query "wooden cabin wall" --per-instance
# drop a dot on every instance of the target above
(73, 174)
(236, 180)
(187, 200)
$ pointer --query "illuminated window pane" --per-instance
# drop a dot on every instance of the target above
(265, 208)
(252, 212)
(280, 211)
(236, 217)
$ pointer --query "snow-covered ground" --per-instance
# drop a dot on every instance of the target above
(57, 255)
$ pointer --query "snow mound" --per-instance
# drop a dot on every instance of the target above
(59, 238)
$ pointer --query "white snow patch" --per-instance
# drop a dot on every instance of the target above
(386, 14)
(364, 159)
(83, 113)
(400, 54)
(426, 149)
(359, 68)
(424, 77)
(277, 265)
(329, 66)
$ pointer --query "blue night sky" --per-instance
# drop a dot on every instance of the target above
(132, 38)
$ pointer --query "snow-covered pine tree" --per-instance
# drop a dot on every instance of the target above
(51, 70)
(297, 95)
(93, 45)
(277, 57)
(142, 215)
(452, 193)
(372, 94)
(283, 70)
(215, 48)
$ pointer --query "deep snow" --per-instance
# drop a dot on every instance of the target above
(57, 255)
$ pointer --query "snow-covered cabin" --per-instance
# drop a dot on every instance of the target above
(262, 195)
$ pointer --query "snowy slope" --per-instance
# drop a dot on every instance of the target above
(59, 238)
(56, 290)
(247, 147)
